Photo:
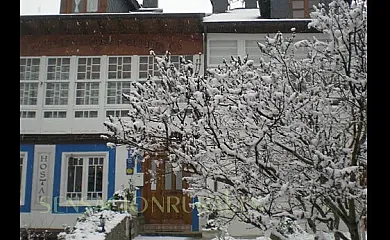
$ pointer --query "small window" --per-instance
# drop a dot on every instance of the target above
(115, 90)
(27, 114)
(29, 69)
(119, 67)
(28, 93)
(87, 93)
(54, 114)
(148, 65)
(88, 69)
(58, 68)
(86, 114)
(117, 113)
(56, 93)
(84, 177)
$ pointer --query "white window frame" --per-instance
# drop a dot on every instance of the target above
(57, 81)
(25, 114)
(121, 80)
(55, 112)
(32, 82)
(84, 116)
(64, 174)
(152, 67)
(88, 80)
(117, 111)
(23, 155)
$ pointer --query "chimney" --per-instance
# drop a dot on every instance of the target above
(251, 4)
(219, 6)
(265, 7)
(150, 4)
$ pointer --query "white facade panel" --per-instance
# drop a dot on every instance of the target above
(43, 172)
(45, 219)
(246, 44)
(30, 125)
(86, 125)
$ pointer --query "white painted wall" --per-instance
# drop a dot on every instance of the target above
(242, 37)
(120, 170)
(41, 219)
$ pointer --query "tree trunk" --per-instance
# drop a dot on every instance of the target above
(353, 224)
(338, 235)
(354, 231)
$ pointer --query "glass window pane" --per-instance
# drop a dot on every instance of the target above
(91, 178)
(297, 4)
(168, 176)
(93, 114)
(179, 181)
(143, 74)
(79, 178)
(96, 60)
(71, 175)
(99, 179)
(153, 179)
(111, 68)
(112, 60)
(127, 68)
(143, 59)
(111, 75)
(298, 14)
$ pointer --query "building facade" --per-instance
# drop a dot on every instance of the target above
(74, 69)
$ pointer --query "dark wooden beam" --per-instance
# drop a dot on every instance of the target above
(61, 138)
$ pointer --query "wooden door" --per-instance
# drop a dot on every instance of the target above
(164, 203)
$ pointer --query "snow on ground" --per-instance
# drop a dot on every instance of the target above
(91, 230)
(161, 238)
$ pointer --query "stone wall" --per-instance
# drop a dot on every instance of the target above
(125, 230)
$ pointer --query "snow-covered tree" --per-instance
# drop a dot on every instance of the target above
(285, 140)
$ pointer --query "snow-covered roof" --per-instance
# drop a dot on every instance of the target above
(242, 15)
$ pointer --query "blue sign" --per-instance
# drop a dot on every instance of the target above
(130, 163)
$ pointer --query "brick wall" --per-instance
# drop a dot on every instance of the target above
(121, 44)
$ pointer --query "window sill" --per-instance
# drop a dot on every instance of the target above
(81, 203)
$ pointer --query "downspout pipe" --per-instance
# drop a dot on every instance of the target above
(204, 49)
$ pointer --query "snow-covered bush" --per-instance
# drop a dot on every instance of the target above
(91, 228)
(122, 198)
(113, 211)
